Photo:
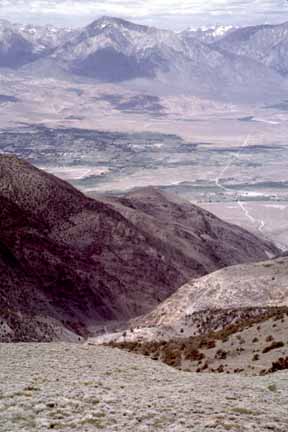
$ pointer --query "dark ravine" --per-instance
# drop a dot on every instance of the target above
(67, 260)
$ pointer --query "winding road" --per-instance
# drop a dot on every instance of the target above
(241, 204)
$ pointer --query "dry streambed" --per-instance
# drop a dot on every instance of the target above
(86, 388)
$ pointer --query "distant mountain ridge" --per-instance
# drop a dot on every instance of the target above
(219, 63)
(22, 44)
(267, 44)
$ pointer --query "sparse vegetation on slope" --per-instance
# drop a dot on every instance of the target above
(96, 388)
(238, 347)
(242, 286)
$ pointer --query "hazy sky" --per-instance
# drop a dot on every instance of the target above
(174, 14)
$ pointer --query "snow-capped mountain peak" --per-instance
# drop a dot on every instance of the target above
(207, 61)
(22, 44)
(221, 30)
(208, 34)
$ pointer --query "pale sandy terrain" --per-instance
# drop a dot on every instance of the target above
(84, 388)
(68, 103)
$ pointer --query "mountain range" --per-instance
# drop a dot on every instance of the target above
(267, 44)
(23, 44)
(246, 63)
(68, 261)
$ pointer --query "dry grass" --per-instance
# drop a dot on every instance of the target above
(193, 349)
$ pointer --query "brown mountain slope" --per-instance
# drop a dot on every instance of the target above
(215, 244)
(80, 260)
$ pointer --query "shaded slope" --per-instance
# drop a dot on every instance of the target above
(172, 220)
(83, 260)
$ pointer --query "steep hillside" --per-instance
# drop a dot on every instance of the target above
(211, 303)
(213, 244)
(81, 261)
(257, 285)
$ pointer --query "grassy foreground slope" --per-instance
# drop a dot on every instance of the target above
(95, 388)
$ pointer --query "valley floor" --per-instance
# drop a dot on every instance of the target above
(85, 388)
